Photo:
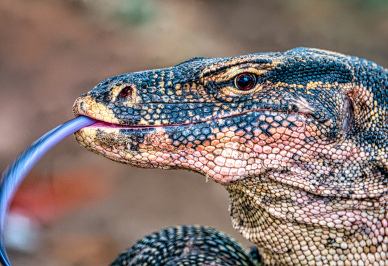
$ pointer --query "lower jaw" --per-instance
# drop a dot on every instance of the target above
(142, 160)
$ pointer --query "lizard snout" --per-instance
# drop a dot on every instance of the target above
(88, 106)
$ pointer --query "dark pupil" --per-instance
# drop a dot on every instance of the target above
(245, 81)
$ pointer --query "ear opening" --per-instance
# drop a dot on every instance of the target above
(369, 114)
(360, 101)
(348, 120)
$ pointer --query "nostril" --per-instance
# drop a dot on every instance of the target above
(126, 92)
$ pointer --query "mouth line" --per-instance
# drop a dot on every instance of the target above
(104, 124)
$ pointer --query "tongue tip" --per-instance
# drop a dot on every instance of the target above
(15, 173)
(3, 256)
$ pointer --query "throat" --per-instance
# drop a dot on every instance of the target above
(293, 227)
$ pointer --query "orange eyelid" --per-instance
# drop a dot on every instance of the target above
(255, 71)
(233, 72)
(232, 91)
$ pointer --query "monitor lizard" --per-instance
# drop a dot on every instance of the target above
(297, 138)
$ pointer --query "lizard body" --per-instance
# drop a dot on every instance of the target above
(186, 245)
(298, 139)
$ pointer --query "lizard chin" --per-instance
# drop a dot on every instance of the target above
(155, 147)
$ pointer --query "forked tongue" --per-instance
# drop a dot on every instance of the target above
(18, 170)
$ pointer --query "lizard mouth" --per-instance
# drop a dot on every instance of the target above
(104, 124)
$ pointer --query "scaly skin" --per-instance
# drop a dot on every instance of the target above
(303, 154)
(185, 245)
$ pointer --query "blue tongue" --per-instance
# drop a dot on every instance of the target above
(18, 170)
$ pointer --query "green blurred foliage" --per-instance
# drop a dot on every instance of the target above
(131, 12)
(135, 11)
(370, 4)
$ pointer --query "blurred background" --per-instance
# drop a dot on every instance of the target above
(77, 208)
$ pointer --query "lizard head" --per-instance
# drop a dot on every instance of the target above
(296, 137)
(227, 118)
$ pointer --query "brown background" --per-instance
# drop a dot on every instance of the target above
(88, 207)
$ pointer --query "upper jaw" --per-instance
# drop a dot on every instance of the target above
(88, 106)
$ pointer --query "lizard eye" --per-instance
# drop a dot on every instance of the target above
(245, 81)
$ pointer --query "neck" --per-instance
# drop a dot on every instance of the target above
(293, 227)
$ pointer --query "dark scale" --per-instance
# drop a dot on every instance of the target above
(186, 245)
